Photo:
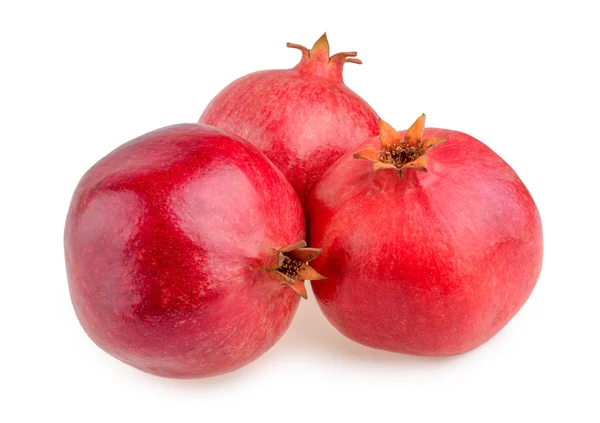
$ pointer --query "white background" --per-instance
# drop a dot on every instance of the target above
(77, 80)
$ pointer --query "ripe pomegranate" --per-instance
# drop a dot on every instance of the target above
(302, 118)
(428, 251)
(177, 245)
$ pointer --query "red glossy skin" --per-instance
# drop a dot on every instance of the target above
(166, 242)
(303, 118)
(433, 264)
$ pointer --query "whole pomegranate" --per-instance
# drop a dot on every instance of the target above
(302, 118)
(180, 247)
(428, 251)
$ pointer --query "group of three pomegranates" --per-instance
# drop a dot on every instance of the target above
(185, 247)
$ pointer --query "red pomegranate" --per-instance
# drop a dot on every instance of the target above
(177, 245)
(302, 118)
(428, 251)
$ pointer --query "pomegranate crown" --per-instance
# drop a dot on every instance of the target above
(399, 153)
(318, 61)
(290, 265)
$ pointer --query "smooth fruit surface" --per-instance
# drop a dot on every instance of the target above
(302, 118)
(168, 242)
(429, 253)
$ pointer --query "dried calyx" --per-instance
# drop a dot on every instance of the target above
(291, 266)
(399, 153)
(317, 59)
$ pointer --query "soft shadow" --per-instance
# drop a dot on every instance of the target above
(241, 376)
(311, 332)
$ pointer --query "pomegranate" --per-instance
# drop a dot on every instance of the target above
(180, 247)
(302, 118)
(428, 251)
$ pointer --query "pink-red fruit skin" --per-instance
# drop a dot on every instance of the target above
(166, 243)
(434, 263)
(302, 118)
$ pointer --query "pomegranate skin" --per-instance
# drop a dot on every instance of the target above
(166, 242)
(435, 263)
(302, 118)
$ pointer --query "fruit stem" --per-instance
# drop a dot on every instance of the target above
(317, 60)
(304, 50)
(399, 153)
(291, 266)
